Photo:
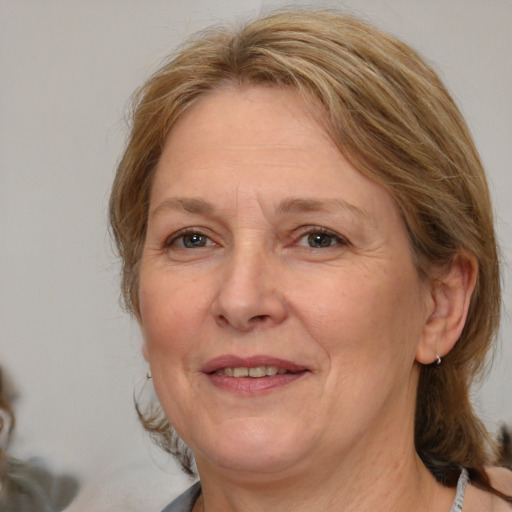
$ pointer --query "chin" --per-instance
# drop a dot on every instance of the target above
(253, 447)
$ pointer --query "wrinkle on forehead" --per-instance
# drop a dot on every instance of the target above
(290, 205)
(240, 142)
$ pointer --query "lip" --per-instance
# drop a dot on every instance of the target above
(249, 386)
(231, 361)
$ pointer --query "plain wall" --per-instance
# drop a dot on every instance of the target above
(68, 68)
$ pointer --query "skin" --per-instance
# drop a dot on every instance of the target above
(256, 183)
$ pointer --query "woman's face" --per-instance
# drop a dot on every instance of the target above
(279, 303)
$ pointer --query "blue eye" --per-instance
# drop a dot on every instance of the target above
(321, 239)
(189, 241)
(194, 240)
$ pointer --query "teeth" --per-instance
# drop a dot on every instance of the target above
(272, 370)
(240, 372)
(255, 372)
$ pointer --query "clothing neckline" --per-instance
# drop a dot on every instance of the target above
(186, 501)
(461, 491)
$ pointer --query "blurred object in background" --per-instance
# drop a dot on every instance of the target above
(505, 444)
(27, 486)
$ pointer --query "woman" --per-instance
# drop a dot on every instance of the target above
(308, 246)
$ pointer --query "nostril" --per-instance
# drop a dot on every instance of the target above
(222, 320)
(259, 318)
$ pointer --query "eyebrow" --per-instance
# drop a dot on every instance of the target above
(291, 205)
(186, 204)
(305, 205)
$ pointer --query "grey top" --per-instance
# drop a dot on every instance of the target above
(185, 502)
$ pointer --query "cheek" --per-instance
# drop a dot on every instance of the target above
(370, 336)
(169, 325)
(168, 315)
(368, 320)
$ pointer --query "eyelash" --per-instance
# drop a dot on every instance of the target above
(306, 232)
(315, 230)
(180, 235)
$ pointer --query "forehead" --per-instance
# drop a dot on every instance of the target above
(258, 141)
(253, 125)
(247, 117)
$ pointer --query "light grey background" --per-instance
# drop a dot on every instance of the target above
(68, 68)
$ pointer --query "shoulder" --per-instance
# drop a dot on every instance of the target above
(478, 500)
(184, 502)
(501, 479)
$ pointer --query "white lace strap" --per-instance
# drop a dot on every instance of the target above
(461, 490)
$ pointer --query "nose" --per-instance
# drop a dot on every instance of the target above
(248, 295)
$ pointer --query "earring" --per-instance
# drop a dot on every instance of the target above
(148, 375)
(438, 359)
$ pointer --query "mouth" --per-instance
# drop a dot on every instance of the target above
(252, 375)
(254, 367)
(255, 372)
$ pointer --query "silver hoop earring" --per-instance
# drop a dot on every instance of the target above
(438, 359)
(148, 375)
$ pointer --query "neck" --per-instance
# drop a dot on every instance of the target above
(397, 484)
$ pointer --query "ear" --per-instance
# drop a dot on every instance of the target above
(449, 300)
(145, 352)
(144, 348)
(138, 316)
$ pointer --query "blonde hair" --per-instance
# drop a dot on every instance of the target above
(391, 116)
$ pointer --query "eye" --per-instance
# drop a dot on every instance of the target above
(321, 238)
(189, 240)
